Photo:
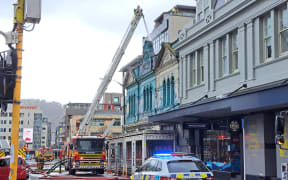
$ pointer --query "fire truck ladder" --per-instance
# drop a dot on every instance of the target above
(113, 66)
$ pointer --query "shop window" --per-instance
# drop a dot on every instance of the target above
(221, 150)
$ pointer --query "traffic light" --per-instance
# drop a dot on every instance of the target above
(8, 67)
(279, 129)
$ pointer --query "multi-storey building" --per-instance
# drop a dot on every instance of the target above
(233, 82)
(46, 133)
(151, 88)
(109, 109)
(30, 116)
(60, 135)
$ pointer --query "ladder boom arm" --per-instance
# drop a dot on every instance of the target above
(112, 68)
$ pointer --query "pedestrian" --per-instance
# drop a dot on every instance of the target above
(41, 162)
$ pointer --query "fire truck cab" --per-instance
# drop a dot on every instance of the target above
(86, 153)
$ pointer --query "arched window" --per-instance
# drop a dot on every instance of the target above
(172, 90)
(144, 100)
(168, 92)
(134, 112)
(164, 93)
(150, 98)
(129, 103)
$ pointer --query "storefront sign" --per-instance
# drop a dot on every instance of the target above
(28, 135)
(188, 125)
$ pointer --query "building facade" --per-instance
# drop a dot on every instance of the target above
(46, 133)
(30, 117)
(232, 73)
(149, 80)
(109, 109)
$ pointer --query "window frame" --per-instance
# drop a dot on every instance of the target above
(267, 37)
(200, 66)
(224, 61)
(234, 51)
(280, 30)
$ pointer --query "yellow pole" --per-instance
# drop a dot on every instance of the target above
(16, 96)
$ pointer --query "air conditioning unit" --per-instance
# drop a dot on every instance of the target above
(32, 11)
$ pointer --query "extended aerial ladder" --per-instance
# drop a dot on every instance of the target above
(109, 74)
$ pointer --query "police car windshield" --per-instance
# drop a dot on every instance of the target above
(186, 166)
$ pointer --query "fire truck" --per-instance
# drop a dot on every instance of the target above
(87, 153)
(47, 154)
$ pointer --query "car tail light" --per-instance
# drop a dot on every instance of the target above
(103, 155)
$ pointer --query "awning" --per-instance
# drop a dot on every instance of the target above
(265, 98)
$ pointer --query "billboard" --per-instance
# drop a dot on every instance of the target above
(28, 135)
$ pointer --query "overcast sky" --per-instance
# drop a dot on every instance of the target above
(72, 47)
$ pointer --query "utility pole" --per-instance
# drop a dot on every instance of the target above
(19, 19)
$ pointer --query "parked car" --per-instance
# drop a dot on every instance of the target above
(22, 169)
(173, 166)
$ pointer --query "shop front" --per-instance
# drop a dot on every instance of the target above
(217, 142)
(234, 135)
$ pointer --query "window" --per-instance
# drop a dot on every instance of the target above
(97, 122)
(223, 57)
(234, 51)
(21, 122)
(283, 30)
(43, 137)
(192, 70)
(117, 122)
(267, 37)
(150, 94)
(5, 122)
(144, 99)
(186, 166)
(9, 129)
(2, 121)
(200, 66)
(4, 129)
(21, 130)
(203, 9)
(10, 121)
(172, 90)
(116, 99)
(168, 92)
(10, 114)
(21, 114)
(164, 93)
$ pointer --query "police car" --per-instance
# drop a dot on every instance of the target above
(172, 166)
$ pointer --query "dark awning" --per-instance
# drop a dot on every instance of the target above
(267, 98)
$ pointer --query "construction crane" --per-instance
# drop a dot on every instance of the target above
(112, 68)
